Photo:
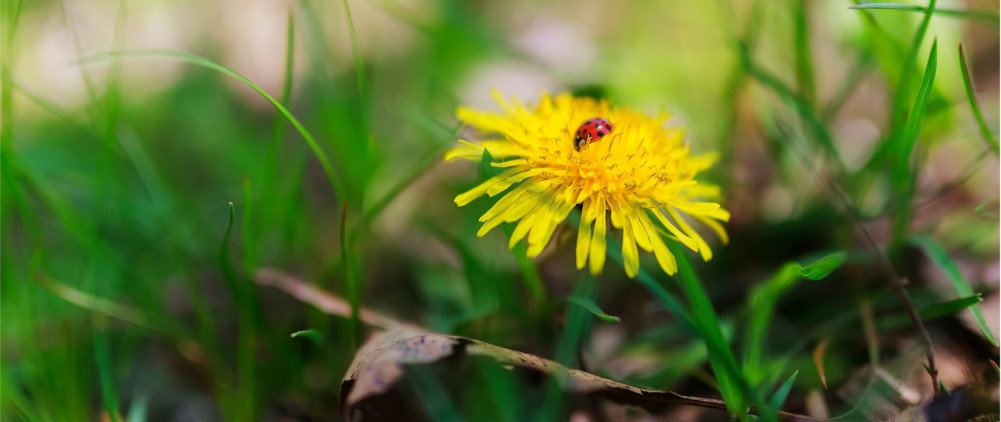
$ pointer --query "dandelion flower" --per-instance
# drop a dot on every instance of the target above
(637, 171)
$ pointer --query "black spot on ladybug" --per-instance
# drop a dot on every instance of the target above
(600, 133)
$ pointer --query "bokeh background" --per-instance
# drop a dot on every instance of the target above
(125, 295)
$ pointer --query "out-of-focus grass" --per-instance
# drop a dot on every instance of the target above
(132, 223)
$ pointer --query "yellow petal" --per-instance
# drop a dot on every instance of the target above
(537, 238)
(505, 202)
(478, 191)
(583, 239)
(617, 218)
(464, 150)
(503, 149)
(487, 122)
(524, 226)
(509, 163)
(716, 227)
(597, 257)
(703, 161)
(630, 256)
(525, 202)
(703, 249)
(681, 237)
(639, 230)
(527, 205)
(664, 256)
(557, 213)
(708, 209)
(508, 108)
(507, 182)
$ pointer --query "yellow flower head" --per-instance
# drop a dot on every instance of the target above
(640, 173)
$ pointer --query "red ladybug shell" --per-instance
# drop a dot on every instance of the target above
(592, 130)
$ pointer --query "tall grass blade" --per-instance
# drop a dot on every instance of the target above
(904, 82)
(775, 403)
(938, 255)
(902, 147)
(804, 60)
(765, 297)
(321, 156)
(350, 278)
(102, 356)
(968, 86)
(939, 310)
(735, 389)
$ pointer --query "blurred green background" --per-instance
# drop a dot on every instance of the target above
(126, 294)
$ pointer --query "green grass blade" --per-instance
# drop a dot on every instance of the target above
(804, 61)
(904, 82)
(321, 156)
(917, 113)
(775, 403)
(797, 102)
(939, 310)
(902, 147)
(249, 236)
(593, 308)
(823, 267)
(350, 278)
(359, 63)
(765, 297)
(243, 295)
(938, 255)
(270, 182)
(968, 86)
(102, 356)
(11, 16)
(734, 387)
(229, 274)
(984, 16)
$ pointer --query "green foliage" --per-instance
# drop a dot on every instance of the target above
(135, 217)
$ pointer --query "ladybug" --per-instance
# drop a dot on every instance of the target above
(592, 130)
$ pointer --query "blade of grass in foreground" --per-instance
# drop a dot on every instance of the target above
(243, 295)
(804, 60)
(985, 16)
(321, 156)
(780, 395)
(764, 298)
(968, 86)
(735, 389)
(102, 356)
(938, 255)
(904, 82)
(902, 146)
(351, 278)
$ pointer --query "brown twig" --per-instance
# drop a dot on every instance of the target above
(577, 381)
